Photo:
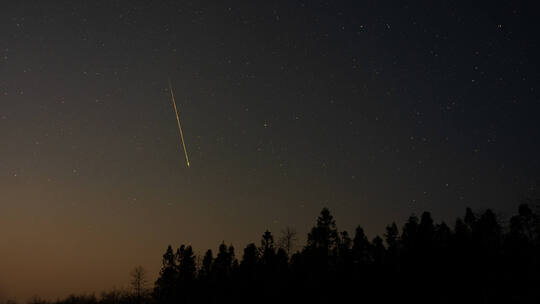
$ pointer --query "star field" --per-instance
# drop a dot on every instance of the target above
(374, 109)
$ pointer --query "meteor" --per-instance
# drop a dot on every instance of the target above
(178, 121)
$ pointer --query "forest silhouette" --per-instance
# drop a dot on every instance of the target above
(480, 259)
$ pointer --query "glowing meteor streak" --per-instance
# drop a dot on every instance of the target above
(178, 121)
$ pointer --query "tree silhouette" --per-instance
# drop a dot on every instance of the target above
(361, 247)
(288, 240)
(391, 236)
(139, 283)
(378, 250)
(186, 272)
(250, 261)
(409, 234)
(478, 260)
(345, 261)
(206, 278)
(267, 248)
(206, 269)
(324, 235)
(222, 269)
(165, 286)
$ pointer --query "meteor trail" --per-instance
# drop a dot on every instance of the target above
(178, 121)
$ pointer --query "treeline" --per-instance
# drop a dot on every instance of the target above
(477, 260)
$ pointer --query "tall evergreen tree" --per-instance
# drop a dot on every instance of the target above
(361, 247)
(324, 236)
(391, 237)
(426, 230)
(223, 263)
(165, 286)
(378, 250)
(206, 267)
(250, 260)
(409, 234)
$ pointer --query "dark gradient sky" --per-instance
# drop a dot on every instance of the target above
(375, 109)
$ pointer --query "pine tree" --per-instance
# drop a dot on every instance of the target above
(324, 236)
(361, 247)
(165, 286)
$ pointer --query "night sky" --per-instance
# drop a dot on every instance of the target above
(374, 109)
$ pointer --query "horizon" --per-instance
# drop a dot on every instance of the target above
(299, 245)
